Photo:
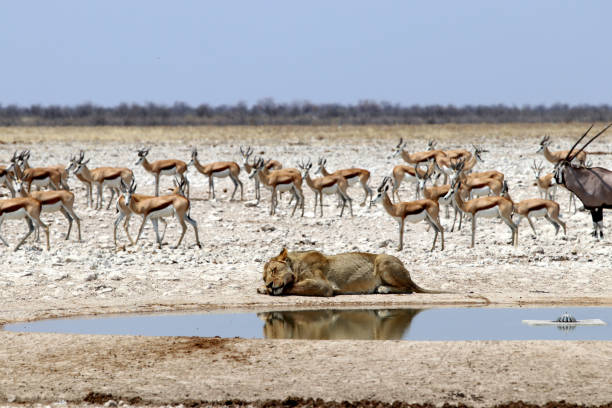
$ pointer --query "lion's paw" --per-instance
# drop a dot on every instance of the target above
(383, 290)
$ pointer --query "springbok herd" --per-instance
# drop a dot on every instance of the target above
(455, 179)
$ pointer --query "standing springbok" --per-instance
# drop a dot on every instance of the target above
(220, 170)
(556, 156)
(279, 180)
(455, 154)
(546, 183)
(271, 165)
(402, 172)
(24, 158)
(412, 211)
(166, 167)
(153, 208)
(330, 184)
(352, 176)
(40, 176)
(23, 208)
(417, 157)
(52, 201)
(536, 207)
(110, 177)
(6, 180)
(484, 207)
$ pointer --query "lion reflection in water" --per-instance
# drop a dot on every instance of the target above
(387, 324)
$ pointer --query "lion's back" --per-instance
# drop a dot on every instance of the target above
(353, 271)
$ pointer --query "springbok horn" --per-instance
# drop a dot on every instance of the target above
(576, 144)
(589, 142)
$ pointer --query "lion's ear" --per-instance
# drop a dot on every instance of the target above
(283, 255)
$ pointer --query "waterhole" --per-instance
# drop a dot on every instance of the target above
(336, 324)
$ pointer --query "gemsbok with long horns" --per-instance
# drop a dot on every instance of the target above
(592, 186)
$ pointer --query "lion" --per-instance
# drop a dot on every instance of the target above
(311, 273)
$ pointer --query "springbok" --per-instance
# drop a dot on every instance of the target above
(546, 183)
(352, 176)
(166, 167)
(456, 154)
(40, 176)
(593, 186)
(23, 208)
(52, 201)
(153, 208)
(536, 207)
(412, 211)
(220, 170)
(110, 177)
(556, 156)
(24, 158)
(279, 180)
(484, 207)
(331, 184)
(6, 180)
(402, 172)
(418, 157)
(271, 165)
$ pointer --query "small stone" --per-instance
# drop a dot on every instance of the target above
(384, 243)
(91, 277)
(110, 403)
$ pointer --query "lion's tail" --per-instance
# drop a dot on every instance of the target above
(417, 289)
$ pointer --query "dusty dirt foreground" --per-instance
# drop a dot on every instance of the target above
(92, 277)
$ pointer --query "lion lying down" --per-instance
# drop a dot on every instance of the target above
(310, 273)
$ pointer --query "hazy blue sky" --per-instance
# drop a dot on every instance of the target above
(223, 52)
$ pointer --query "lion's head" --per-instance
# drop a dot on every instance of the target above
(278, 275)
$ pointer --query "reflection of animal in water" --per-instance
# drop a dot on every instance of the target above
(384, 324)
(312, 273)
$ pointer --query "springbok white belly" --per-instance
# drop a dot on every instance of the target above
(479, 192)
(116, 182)
(330, 190)
(409, 177)
(414, 218)
(41, 182)
(538, 213)
(14, 215)
(51, 207)
(489, 212)
(223, 173)
(352, 180)
(284, 187)
(164, 212)
(168, 172)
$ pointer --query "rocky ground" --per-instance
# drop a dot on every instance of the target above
(94, 276)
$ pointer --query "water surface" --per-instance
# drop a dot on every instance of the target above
(366, 324)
